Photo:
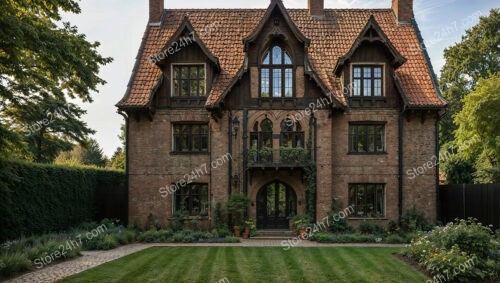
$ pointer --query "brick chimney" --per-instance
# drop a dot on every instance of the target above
(316, 8)
(403, 9)
(155, 9)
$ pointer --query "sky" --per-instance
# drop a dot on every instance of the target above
(119, 26)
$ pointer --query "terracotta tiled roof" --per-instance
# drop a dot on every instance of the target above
(330, 38)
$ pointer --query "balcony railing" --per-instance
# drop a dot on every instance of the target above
(283, 157)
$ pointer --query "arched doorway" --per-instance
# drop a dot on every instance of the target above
(275, 203)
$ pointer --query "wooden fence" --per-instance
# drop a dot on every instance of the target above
(462, 201)
(112, 202)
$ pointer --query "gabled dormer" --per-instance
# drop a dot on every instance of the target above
(367, 68)
(188, 69)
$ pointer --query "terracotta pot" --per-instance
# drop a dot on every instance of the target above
(237, 231)
(293, 227)
(247, 230)
(302, 230)
(245, 235)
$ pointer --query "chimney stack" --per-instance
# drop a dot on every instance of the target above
(155, 9)
(316, 8)
(403, 9)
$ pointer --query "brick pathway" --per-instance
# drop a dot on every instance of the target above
(90, 259)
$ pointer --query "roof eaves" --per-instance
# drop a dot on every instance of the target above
(309, 70)
(136, 67)
(428, 63)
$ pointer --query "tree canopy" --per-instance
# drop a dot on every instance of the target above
(469, 65)
(478, 132)
(44, 63)
(475, 57)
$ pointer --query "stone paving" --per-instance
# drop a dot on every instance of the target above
(90, 259)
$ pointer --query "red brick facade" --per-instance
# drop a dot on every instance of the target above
(409, 132)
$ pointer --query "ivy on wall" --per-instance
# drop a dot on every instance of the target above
(310, 178)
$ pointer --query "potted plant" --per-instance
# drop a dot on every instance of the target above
(297, 154)
(237, 206)
(249, 225)
(266, 154)
(252, 156)
(303, 228)
(285, 153)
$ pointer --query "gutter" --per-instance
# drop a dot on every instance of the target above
(400, 161)
(127, 180)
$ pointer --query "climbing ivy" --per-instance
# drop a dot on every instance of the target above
(310, 178)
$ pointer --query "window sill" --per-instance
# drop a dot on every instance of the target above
(189, 153)
(367, 153)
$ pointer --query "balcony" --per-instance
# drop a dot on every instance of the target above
(277, 158)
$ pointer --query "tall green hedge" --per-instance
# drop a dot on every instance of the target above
(38, 198)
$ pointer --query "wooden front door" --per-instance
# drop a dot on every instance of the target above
(276, 202)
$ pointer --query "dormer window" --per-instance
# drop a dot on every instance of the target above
(276, 73)
(188, 80)
(367, 81)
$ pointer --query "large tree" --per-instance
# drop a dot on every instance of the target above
(43, 64)
(475, 57)
(478, 132)
(90, 153)
(118, 161)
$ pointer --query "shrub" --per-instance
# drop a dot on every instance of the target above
(323, 238)
(149, 236)
(237, 205)
(178, 223)
(392, 226)
(219, 216)
(188, 238)
(413, 221)
(232, 240)
(345, 238)
(465, 242)
(223, 232)
(336, 223)
(395, 239)
(371, 228)
(107, 242)
(14, 263)
(125, 237)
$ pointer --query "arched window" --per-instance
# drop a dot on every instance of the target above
(262, 135)
(276, 73)
(291, 134)
(266, 133)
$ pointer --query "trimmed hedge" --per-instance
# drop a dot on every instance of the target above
(39, 198)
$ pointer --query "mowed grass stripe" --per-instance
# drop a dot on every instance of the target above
(162, 262)
(207, 265)
(254, 264)
(184, 264)
(319, 265)
(295, 270)
(335, 271)
(168, 260)
(377, 273)
(273, 264)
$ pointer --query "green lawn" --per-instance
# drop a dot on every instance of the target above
(249, 264)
